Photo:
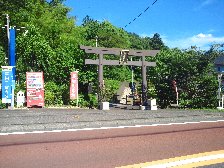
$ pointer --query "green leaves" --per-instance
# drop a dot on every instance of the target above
(2, 56)
(33, 52)
(156, 42)
(194, 74)
(107, 35)
(53, 94)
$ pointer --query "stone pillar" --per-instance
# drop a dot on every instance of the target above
(144, 82)
(100, 78)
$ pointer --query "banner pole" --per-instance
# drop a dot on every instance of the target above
(77, 98)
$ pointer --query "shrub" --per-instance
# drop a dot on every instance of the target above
(53, 94)
(2, 105)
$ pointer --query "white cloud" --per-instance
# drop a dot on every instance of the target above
(207, 2)
(204, 3)
(201, 36)
(211, 30)
(203, 41)
(206, 38)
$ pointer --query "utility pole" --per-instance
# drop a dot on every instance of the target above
(11, 36)
(7, 26)
(11, 47)
(8, 33)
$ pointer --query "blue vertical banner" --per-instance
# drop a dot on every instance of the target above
(12, 51)
(7, 78)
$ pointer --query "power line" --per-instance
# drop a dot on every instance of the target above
(141, 13)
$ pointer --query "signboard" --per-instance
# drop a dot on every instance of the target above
(35, 89)
(7, 80)
(74, 85)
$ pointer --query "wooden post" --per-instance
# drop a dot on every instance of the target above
(100, 78)
(144, 82)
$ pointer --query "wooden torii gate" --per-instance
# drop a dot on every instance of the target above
(123, 61)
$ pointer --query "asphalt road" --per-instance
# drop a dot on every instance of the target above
(59, 119)
(107, 148)
(93, 138)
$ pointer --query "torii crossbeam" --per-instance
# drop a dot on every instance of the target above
(117, 51)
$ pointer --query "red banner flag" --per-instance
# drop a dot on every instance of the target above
(74, 85)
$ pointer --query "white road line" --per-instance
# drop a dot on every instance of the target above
(187, 161)
(211, 121)
(192, 122)
(105, 128)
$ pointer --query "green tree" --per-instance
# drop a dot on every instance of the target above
(195, 77)
(34, 53)
(156, 42)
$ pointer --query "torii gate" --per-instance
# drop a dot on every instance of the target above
(124, 54)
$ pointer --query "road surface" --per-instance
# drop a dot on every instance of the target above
(109, 147)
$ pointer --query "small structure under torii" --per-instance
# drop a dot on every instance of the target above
(123, 53)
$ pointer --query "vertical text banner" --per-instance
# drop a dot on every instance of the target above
(74, 85)
(7, 78)
(12, 51)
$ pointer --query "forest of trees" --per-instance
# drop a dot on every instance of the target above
(52, 42)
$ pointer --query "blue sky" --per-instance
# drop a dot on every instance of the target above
(180, 23)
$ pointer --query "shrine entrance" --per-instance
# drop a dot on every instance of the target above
(124, 54)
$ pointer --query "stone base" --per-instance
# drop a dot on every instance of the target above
(133, 107)
(104, 106)
(151, 102)
(142, 108)
(153, 108)
(147, 107)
